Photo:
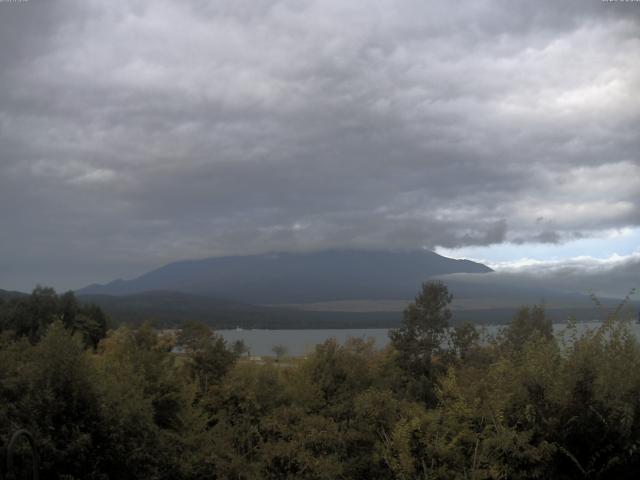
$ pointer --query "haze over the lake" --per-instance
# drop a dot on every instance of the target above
(136, 133)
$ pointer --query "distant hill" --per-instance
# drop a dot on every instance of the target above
(329, 289)
(297, 277)
(7, 294)
(481, 299)
(170, 309)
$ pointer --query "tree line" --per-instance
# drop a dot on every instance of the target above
(438, 402)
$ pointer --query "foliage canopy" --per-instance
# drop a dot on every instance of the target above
(439, 402)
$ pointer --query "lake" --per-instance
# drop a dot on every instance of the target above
(301, 342)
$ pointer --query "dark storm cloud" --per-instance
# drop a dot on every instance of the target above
(135, 133)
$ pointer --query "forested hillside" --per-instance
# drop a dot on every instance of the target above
(439, 402)
(170, 309)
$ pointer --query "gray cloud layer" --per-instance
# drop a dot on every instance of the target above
(139, 132)
(615, 276)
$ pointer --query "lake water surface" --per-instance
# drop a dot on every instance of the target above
(300, 342)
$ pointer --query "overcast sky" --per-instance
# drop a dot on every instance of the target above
(134, 133)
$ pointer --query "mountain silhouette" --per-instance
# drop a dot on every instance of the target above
(282, 278)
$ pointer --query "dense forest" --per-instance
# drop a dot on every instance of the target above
(440, 402)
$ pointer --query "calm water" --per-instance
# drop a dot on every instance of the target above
(300, 342)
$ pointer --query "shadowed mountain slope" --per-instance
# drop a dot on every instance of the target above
(297, 277)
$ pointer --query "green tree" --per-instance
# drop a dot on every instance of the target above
(30, 316)
(420, 337)
(63, 404)
(280, 351)
(194, 336)
(209, 359)
(91, 322)
(465, 340)
(153, 425)
(239, 348)
(528, 322)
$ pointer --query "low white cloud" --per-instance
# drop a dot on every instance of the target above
(582, 264)
(614, 275)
